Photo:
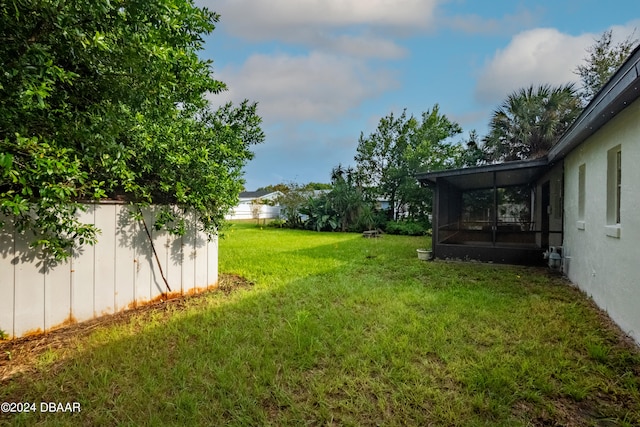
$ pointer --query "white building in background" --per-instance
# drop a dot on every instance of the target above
(256, 205)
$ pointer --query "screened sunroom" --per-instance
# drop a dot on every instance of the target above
(497, 213)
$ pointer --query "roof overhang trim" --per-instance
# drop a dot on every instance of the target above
(506, 174)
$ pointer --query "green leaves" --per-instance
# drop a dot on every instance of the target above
(401, 146)
(108, 98)
(530, 121)
(604, 59)
(37, 191)
(6, 163)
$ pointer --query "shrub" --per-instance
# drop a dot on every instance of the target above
(407, 228)
(368, 219)
(277, 223)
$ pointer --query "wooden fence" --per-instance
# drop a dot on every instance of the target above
(117, 273)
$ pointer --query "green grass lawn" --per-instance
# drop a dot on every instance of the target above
(341, 330)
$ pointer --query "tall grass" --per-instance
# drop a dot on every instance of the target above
(341, 330)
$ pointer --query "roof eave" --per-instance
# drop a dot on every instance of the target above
(430, 177)
(618, 93)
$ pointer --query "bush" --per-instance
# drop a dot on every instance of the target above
(407, 228)
(369, 219)
(277, 223)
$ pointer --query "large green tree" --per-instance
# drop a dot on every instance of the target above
(108, 98)
(604, 58)
(530, 121)
(401, 146)
(473, 154)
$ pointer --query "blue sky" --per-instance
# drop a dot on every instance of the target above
(323, 71)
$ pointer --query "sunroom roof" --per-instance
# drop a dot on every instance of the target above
(479, 177)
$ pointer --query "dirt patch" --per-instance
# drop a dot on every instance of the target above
(21, 354)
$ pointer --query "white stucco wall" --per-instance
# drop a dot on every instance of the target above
(606, 267)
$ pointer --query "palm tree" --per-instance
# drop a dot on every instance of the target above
(530, 121)
(346, 196)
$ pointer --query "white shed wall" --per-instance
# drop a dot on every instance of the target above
(117, 273)
(606, 267)
(245, 210)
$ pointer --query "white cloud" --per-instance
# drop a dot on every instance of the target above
(622, 32)
(543, 55)
(364, 46)
(476, 24)
(317, 86)
(359, 28)
(538, 56)
(259, 17)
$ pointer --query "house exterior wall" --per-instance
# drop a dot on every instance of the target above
(600, 258)
(117, 273)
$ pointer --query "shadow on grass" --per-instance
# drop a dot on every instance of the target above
(373, 337)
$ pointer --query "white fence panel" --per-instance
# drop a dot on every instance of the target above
(57, 296)
(174, 261)
(201, 269)
(119, 272)
(207, 256)
(145, 257)
(83, 272)
(29, 290)
(189, 269)
(126, 264)
(7, 274)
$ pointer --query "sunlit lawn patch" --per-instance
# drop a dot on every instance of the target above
(342, 330)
